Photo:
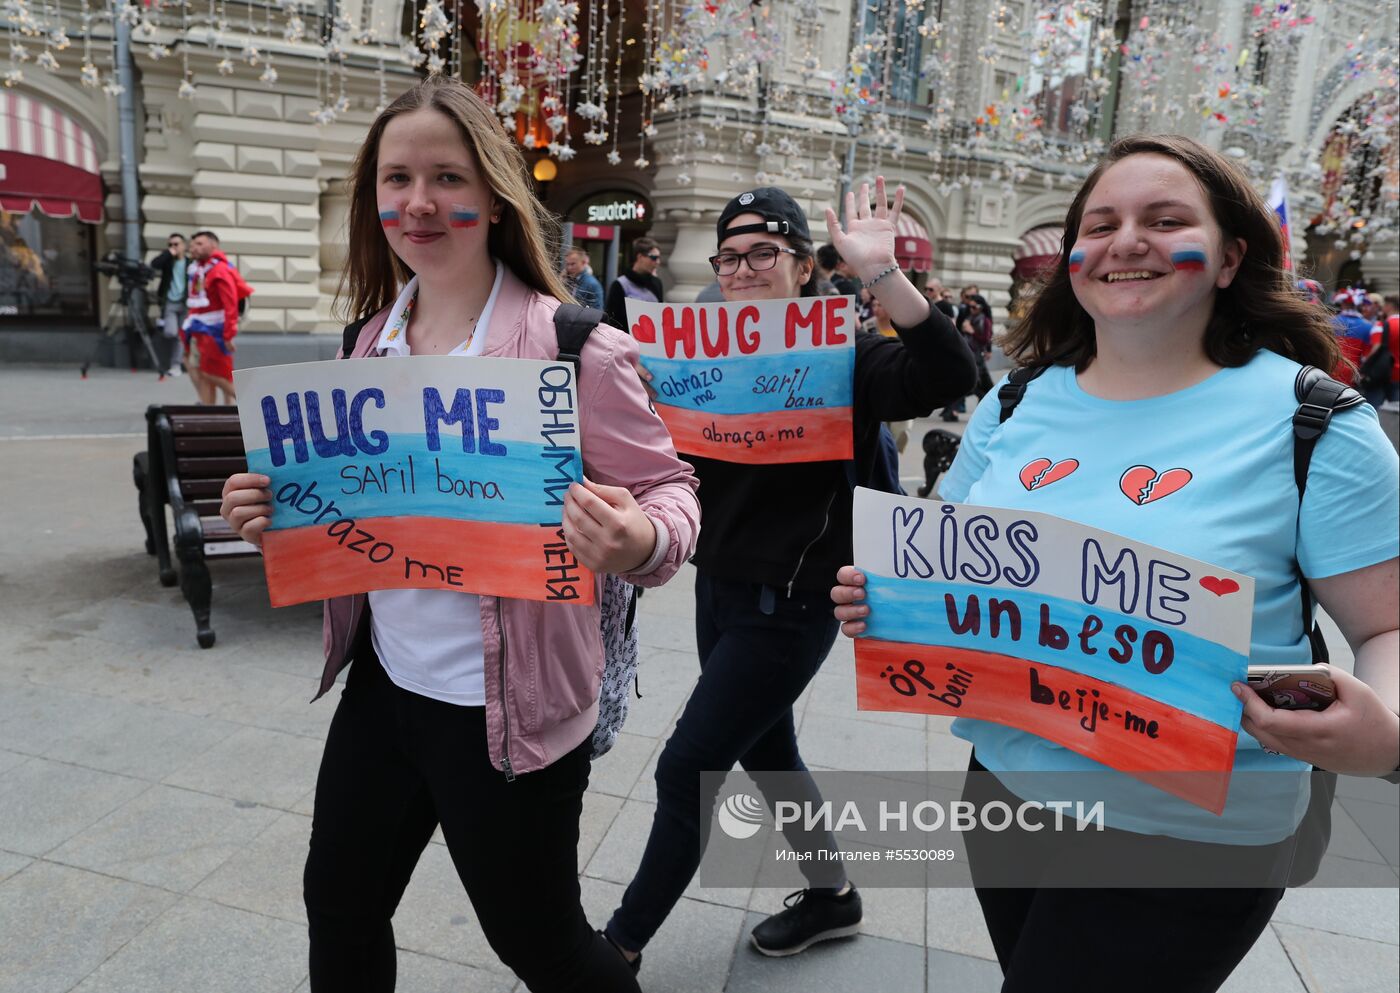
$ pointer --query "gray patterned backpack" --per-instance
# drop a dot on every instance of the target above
(572, 326)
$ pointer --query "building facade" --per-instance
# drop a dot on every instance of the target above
(257, 147)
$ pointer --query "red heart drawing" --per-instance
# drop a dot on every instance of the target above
(1219, 586)
(1142, 484)
(1039, 473)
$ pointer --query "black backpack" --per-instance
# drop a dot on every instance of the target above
(618, 607)
(1319, 396)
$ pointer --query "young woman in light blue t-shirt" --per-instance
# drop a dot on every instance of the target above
(1173, 337)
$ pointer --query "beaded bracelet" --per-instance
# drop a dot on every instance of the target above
(883, 273)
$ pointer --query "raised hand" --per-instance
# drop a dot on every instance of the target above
(867, 240)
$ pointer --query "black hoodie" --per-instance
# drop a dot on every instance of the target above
(789, 526)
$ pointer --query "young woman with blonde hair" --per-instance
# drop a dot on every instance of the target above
(474, 712)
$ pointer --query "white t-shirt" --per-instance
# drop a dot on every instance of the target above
(429, 641)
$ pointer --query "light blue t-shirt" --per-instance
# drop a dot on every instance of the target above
(1239, 509)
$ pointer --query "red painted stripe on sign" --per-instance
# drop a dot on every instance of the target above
(825, 434)
(510, 560)
(1145, 738)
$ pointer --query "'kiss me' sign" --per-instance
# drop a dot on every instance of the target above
(1117, 650)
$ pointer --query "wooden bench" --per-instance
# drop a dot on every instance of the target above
(190, 451)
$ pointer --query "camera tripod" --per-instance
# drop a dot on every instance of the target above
(128, 314)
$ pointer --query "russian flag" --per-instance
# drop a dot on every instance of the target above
(388, 217)
(1278, 200)
(1076, 260)
(1191, 258)
(462, 217)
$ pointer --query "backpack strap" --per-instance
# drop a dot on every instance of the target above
(572, 326)
(351, 336)
(1013, 391)
(1319, 396)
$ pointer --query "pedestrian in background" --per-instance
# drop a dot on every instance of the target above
(1352, 330)
(171, 299)
(1385, 337)
(474, 713)
(581, 281)
(216, 294)
(638, 282)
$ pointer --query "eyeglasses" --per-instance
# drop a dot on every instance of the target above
(656, 257)
(758, 259)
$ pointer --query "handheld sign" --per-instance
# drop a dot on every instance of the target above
(430, 472)
(764, 381)
(1112, 648)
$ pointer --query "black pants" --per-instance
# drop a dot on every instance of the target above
(1108, 940)
(758, 651)
(396, 765)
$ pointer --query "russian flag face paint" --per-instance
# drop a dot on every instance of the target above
(1076, 260)
(388, 217)
(1189, 257)
(462, 216)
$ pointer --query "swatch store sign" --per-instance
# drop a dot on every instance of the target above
(616, 211)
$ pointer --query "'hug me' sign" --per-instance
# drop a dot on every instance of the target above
(1117, 650)
(762, 381)
(423, 472)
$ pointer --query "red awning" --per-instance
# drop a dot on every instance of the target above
(913, 249)
(47, 162)
(593, 232)
(1039, 250)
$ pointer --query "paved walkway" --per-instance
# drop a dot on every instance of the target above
(155, 799)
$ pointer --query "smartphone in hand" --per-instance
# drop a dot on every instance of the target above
(1293, 687)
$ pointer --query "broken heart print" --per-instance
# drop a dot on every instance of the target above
(1040, 473)
(1143, 484)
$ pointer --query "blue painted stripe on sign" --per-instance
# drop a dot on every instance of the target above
(1197, 681)
(754, 384)
(449, 483)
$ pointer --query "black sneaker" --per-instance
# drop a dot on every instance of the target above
(635, 964)
(810, 917)
(949, 415)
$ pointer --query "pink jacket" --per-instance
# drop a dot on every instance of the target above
(544, 662)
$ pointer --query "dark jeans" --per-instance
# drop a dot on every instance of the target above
(396, 765)
(758, 651)
(1106, 940)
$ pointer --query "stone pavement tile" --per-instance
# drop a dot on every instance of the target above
(616, 772)
(8, 760)
(834, 693)
(43, 803)
(34, 719)
(849, 964)
(11, 863)
(667, 678)
(946, 753)
(620, 852)
(264, 876)
(673, 633)
(436, 918)
(599, 812)
(264, 767)
(1348, 841)
(1380, 822)
(307, 804)
(689, 954)
(60, 924)
(645, 788)
(1367, 788)
(140, 741)
(1266, 969)
(952, 973)
(955, 923)
(197, 945)
(425, 974)
(1373, 914)
(1332, 963)
(129, 622)
(847, 743)
(166, 837)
